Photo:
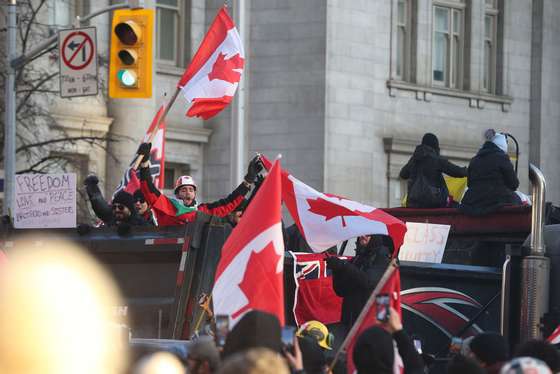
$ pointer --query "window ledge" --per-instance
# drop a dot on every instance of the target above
(476, 100)
(169, 70)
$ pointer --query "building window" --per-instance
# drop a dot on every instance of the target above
(404, 31)
(167, 30)
(490, 46)
(448, 44)
(172, 172)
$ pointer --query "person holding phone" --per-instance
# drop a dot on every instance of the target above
(374, 351)
(355, 280)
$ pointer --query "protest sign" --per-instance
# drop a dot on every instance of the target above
(45, 201)
(424, 242)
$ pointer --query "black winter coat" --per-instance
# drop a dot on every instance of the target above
(427, 162)
(491, 180)
(104, 211)
(355, 280)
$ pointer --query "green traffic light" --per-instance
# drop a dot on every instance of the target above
(127, 78)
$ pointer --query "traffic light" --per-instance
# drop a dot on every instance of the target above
(131, 59)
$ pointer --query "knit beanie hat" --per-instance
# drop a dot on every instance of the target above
(138, 195)
(374, 352)
(126, 199)
(431, 140)
(489, 348)
(255, 329)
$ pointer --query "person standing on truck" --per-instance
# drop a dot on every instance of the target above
(142, 207)
(491, 178)
(120, 211)
(424, 171)
(183, 208)
(356, 279)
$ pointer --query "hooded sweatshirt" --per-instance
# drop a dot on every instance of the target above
(428, 165)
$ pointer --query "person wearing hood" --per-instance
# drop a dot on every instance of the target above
(120, 211)
(376, 349)
(354, 280)
(491, 178)
(424, 171)
(183, 208)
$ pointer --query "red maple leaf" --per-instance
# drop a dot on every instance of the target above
(223, 69)
(330, 210)
(261, 284)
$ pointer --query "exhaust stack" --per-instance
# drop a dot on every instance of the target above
(535, 268)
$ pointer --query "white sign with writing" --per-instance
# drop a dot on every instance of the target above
(424, 242)
(77, 49)
(45, 201)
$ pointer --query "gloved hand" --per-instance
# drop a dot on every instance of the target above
(334, 263)
(144, 150)
(91, 180)
(255, 166)
(84, 229)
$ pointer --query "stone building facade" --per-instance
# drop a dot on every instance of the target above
(344, 90)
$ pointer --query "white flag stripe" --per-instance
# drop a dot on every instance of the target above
(228, 297)
(321, 233)
(200, 86)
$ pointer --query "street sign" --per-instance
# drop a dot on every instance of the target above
(78, 62)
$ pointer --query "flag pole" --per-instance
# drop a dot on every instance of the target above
(354, 330)
(156, 128)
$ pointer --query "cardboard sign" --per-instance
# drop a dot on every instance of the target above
(45, 201)
(424, 242)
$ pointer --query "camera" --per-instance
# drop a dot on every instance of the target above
(382, 308)
(222, 329)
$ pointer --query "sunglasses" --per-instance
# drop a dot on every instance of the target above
(118, 207)
(318, 335)
(141, 201)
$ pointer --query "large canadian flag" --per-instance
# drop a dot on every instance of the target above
(213, 75)
(249, 275)
(326, 220)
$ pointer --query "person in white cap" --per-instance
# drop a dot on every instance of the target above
(181, 209)
(491, 178)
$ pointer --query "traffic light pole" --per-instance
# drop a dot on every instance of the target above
(13, 63)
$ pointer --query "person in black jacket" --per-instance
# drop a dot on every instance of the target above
(121, 210)
(354, 280)
(426, 186)
(374, 351)
(491, 178)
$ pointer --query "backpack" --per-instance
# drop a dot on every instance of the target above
(422, 194)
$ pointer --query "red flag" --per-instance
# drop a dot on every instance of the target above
(213, 75)
(314, 297)
(249, 275)
(326, 220)
(130, 181)
(554, 338)
(392, 288)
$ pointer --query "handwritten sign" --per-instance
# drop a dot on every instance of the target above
(424, 242)
(45, 201)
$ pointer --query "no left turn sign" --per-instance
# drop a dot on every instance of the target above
(78, 62)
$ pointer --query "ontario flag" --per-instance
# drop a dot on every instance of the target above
(326, 220)
(130, 181)
(212, 77)
(249, 275)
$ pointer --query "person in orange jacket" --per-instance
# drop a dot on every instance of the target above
(181, 209)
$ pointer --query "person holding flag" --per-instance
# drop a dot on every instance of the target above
(183, 208)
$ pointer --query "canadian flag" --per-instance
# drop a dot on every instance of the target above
(249, 275)
(213, 75)
(554, 338)
(326, 220)
(130, 181)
